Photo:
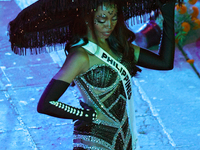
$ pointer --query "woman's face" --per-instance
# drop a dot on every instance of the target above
(105, 20)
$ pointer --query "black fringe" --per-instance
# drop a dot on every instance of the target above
(48, 22)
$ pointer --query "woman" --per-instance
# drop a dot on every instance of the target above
(103, 122)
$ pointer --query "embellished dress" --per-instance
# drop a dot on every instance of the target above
(101, 85)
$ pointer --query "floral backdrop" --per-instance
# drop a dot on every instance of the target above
(186, 20)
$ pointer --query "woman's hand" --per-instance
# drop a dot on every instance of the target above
(89, 108)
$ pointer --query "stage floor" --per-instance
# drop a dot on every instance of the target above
(167, 103)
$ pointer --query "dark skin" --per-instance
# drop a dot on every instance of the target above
(79, 60)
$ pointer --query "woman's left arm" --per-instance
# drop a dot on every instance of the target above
(164, 60)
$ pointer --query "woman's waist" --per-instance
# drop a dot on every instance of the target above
(98, 123)
(103, 115)
(100, 126)
(107, 113)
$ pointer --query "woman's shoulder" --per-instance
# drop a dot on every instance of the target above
(78, 56)
(79, 53)
(76, 63)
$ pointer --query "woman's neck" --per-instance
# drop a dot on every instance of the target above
(100, 42)
(91, 38)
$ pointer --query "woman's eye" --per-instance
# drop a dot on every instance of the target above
(101, 20)
(114, 19)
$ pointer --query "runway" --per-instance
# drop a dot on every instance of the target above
(167, 103)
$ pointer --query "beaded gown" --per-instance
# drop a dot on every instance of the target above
(102, 86)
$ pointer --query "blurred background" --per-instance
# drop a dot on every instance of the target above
(167, 103)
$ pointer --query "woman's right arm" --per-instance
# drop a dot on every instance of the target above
(75, 64)
(165, 58)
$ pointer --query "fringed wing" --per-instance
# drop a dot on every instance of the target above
(50, 22)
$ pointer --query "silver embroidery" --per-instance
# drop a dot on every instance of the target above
(89, 91)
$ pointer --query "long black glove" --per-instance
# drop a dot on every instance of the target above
(164, 60)
(48, 104)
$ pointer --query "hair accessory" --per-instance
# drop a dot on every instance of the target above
(50, 22)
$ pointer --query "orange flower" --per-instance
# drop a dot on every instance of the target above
(176, 40)
(197, 21)
(192, 2)
(181, 9)
(195, 12)
(186, 26)
(190, 61)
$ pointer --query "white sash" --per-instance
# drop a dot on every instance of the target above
(126, 80)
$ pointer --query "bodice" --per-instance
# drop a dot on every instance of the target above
(102, 86)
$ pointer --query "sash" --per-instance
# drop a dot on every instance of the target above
(126, 80)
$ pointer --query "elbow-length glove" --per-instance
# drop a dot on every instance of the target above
(165, 58)
(49, 104)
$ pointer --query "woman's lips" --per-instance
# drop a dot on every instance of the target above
(106, 33)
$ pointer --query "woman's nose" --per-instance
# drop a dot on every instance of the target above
(109, 24)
